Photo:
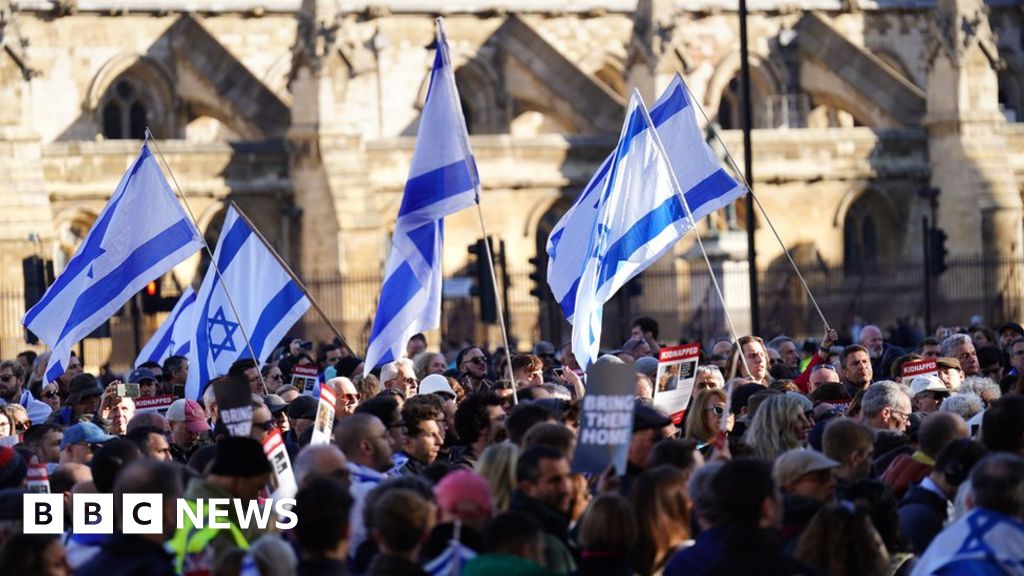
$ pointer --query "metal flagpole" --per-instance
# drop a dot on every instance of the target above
(743, 178)
(693, 224)
(471, 165)
(213, 260)
(295, 278)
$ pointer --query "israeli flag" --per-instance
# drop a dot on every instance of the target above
(141, 233)
(443, 180)
(706, 185)
(266, 298)
(640, 215)
(174, 335)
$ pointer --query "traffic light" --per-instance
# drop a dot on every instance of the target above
(483, 287)
(153, 300)
(37, 275)
(937, 251)
(538, 277)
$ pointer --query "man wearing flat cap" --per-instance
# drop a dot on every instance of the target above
(649, 427)
(239, 470)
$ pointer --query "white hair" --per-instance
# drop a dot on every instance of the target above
(391, 370)
(209, 398)
(881, 394)
(952, 342)
(966, 405)
(716, 374)
(979, 384)
(339, 382)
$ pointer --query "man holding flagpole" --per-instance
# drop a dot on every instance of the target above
(442, 180)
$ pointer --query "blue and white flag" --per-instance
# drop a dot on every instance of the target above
(266, 298)
(174, 335)
(706, 185)
(442, 181)
(640, 215)
(451, 561)
(140, 235)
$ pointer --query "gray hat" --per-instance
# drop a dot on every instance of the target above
(647, 365)
(648, 418)
(790, 466)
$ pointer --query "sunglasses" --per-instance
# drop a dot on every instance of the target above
(51, 394)
(6, 377)
(718, 410)
(477, 360)
(266, 425)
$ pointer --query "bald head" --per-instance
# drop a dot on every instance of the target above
(871, 338)
(66, 475)
(940, 429)
(148, 420)
(321, 460)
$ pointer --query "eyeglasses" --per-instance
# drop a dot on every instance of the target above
(905, 415)
(275, 377)
(823, 367)
(476, 360)
(266, 425)
(718, 410)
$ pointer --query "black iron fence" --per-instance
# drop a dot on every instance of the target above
(680, 297)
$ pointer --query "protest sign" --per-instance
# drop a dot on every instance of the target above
(606, 423)
(304, 379)
(677, 370)
(927, 367)
(283, 481)
(234, 404)
(324, 423)
(153, 403)
(37, 480)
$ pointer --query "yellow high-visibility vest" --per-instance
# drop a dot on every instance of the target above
(189, 539)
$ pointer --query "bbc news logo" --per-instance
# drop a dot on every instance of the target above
(143, 513)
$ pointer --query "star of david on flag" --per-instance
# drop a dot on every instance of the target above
(266, 299)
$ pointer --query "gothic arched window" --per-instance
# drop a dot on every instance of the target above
(125, 111)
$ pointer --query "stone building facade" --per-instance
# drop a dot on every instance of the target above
(304, 113)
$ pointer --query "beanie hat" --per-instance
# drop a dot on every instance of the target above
(240, 457)
(12, 468)
(461, 488)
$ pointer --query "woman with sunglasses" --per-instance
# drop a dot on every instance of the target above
(46, 393)
(704, 418)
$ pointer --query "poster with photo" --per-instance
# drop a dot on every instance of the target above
(673, 384)
(283, 483)
(323, 426)
(304, 378)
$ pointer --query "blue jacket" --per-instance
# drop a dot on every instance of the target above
(699, 557)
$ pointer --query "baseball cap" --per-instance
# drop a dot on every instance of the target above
(84, 433)
(648, 418)
(436, 384)
(927, 383)
(190, 412)
(945, 363)
(544, 348)
(791, 465)
(275, 403)
(303, 407)
(464, 489)
(140, 374)
(1011, 326)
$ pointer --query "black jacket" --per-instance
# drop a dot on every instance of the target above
(129, 555)
(755, 551)
(387, 565)
(922, 514)
(322, 567)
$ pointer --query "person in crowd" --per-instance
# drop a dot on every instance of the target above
(754, 364)
(83, 401)
(929, 348)
(852, 445)
(44, 440)
(464, 508)
(417, 344)
(822, 374)
(1002, 427)
(48, 394)
(388, 410)
(322, 460)
(151, 419)
(13, 468)
(400, 375)
(950, 372)
(79, 442)
(990, 363)
(607, 533)
(187, 421)
(989, 538)
(987, 389)
(152, 442)
(967, 406)
(709, 521)
(426, 363)
(497, 465)
(422, 436)
(118, 414)
(779, 424)
(34, 555)
(147, 381)
(707, 376)
(543, 492)
(402, 521)
(239, 470)
(882, 353)
(472, 364)
(739, 404)
(960, 347)
(662, 511)
(365, 442)
(301, 417)
(175, 370)
(14, 391)
(649, 427)
(273, 377)
(841, 541)
(928, 393)
(527, 370)
(936, 432)
(705, 418)
(806, 481)
(130, 554)
(323, 505)
(885, 406)
(514, 545)
(524, 417)
(857, 369)
(786, 348)
(347, 396)
(479, 422)
(749, 504)
(925, 508)
(1008, 332)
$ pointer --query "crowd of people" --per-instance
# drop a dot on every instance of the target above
(792, 458)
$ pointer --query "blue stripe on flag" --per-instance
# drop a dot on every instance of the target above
(54, 372)
(675, 103)
(202, 342)
(165, 340)
(183, 350)
(708, 189)
(425, 238)
(568, 303)
(434, 186)
(233, 242)
(637, 124)
(438, 66)
(271, 316)
(646, 229)
(141, 259)
(398, 289)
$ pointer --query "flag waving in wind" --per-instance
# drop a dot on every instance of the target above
(706, 185)
(640, 214)
(173, 336)
(442, 181)
(268, 302)
(140, 234)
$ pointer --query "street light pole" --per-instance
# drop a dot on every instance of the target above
(748, 169)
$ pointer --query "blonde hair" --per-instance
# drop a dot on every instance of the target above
(497, 465)
(772, 431)
(421, 362)
(697, 419)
